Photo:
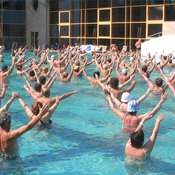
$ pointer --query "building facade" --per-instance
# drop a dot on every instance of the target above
(53, 22)
(12, 22)
(110, 21)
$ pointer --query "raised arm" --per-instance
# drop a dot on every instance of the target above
(144, 96)
(66, 95)
(4, 89)
(118, 113)
(131, 87)
(9, 102)
(11, 68)
(14, 134)
(70, 75)
(156, 108)
(150, 84)
(115, 100)
(150, 143)
(26, 107)
(168, 81)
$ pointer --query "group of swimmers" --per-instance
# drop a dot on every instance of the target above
(114, 73)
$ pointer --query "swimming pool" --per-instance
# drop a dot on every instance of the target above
(86, 137)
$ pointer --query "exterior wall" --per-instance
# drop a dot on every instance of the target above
(168, 28)
(37, 21)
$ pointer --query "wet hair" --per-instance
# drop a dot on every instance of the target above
(137, 139)
(42, 80)
(35, 108)
(4, 68)
(31, 73)
(65, 74)
(98, 61)
(109, 60)
(165, 57)
(113, 82)
(170, 61)
(4, 116)
(45, 69)
(158, 82)
(37, 87)
(144, 68)
(77, 62)
(46, 93)
(96, 73)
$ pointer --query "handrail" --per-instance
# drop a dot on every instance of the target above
(155, 34)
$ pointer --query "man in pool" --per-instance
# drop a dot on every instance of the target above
(8, 139)
(135, 147)
(5, 73)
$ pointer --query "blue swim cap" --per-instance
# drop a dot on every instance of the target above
(132, 106)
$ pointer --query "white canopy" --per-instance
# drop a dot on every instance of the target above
(160, 45)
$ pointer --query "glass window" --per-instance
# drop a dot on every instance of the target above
(74, 40)
(104, 15)
(83, 16)
(54, 18)
(104, 3)
(169, 13)
(75, 16)
(155, 1)
(169, 1)
(104, 30)
(63, 4)
(154, 30)
(139, 13)
(127, 43)
(0, 16)
(53, 30)
(91, 30)
(64, 30)
(133, 41)
(75, 30)
(64, 17)
(91, 15)
(105, 42)
(75, 4)
(14, 5)
(138, 30)
(118, 14)
(155, 13)
(128, 14)
(64, 41)
(34, 39)
(14, 17)
(136, 2)
(91, 41)
(1, 31)
(116, 3)
(53, 5)
(91, 4)
(118, 30)
(120, 43)
(128, 30)
(54, 43)
(14, 30)
(8, 41)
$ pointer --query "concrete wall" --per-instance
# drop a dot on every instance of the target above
(168, 28)
(37, 21)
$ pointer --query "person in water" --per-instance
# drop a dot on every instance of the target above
(8, 138)
(135, 147)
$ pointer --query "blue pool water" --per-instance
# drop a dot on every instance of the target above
(86, 137)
